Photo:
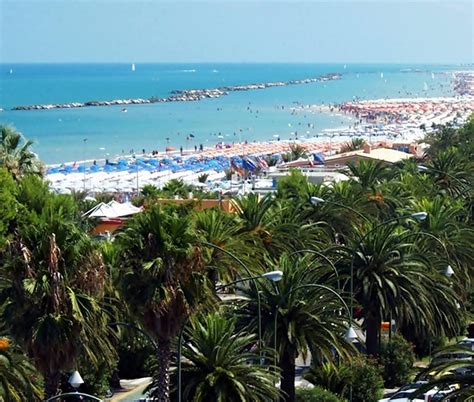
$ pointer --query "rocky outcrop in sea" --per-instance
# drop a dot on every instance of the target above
(187, 95)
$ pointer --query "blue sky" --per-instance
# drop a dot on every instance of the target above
(391, 31)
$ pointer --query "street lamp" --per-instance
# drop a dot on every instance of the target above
(75, 380)
(350, 334)
(449, 271)
(273, 276)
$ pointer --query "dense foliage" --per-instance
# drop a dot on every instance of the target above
(60, 290)
(316, 394)
(397, 358)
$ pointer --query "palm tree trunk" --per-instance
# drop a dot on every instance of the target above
(51, 384)
(287, 366)
(162, 371)
(372, 328)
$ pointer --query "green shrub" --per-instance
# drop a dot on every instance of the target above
(366, 378)
(397, 357)
(96, 379)
(334, 378)
(316, 394)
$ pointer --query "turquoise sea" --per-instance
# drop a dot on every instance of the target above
(253, 115)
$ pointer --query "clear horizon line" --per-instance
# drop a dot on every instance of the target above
(242, 62)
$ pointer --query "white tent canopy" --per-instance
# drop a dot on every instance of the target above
(113, 209)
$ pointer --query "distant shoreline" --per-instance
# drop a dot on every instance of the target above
(188, 95)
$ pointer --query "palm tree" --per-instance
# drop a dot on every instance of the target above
(393, 277)
(452, 171)
(163, 277)
(9, 205)
(18, 379)
(224, 231)
(273, 226)
(368, 173)
(15, 154)
(353, 145)
(217, 365)
(446, 137)
(176, 187)
(448, 220)
(296, 152)
(304, 310)
(53, 280)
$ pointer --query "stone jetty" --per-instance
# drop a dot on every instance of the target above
(187, 95)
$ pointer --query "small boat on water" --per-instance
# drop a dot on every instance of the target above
(133, 66)
(381, 75)
(124, 110)
(11, 70)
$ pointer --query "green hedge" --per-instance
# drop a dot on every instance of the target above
(398, 358)
(316, 394)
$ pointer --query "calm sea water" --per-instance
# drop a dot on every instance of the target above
(254, 115)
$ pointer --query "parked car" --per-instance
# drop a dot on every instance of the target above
(449, 356)
(441, 394)
(467, 342)
(405, 394)
(413, 385)
(402, 396)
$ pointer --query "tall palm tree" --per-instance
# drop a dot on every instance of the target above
(306, 312)
(15, 154)
(51, 295)
(9, 205)
(18, 378)
(353, 145)
(392, 277)
(448, 220)
(163, 277)
(224, 231)
(368, 173)
(218, 364)
(274, 226)
(452, 171)
(296, 152)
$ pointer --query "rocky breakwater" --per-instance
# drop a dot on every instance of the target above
(186, 95)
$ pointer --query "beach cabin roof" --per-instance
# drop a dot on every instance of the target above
(380, 154)
(113, 209)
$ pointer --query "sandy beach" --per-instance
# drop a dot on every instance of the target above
(377, 120)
